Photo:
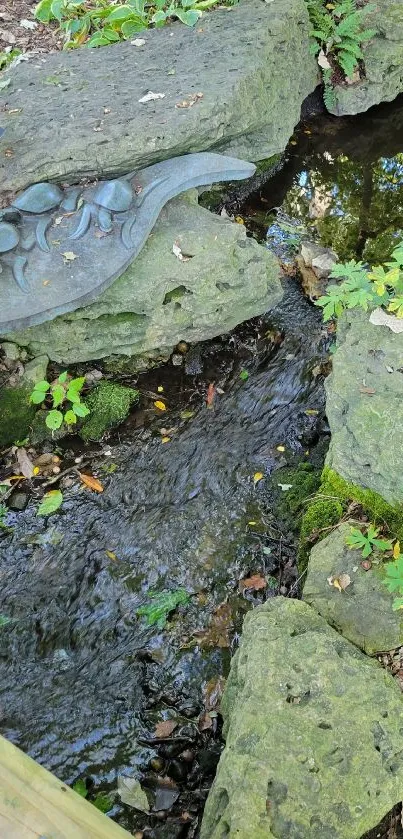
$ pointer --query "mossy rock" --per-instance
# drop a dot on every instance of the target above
(17, 414)
(109, 405)
(333, 498)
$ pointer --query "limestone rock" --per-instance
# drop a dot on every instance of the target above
(364, 406)
(35, 370)
(314, 744)
(161, 300)
(363, 612)
(383, 58)
(79, 112)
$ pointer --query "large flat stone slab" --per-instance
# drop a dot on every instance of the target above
(78, 113)
(314, 743)
(224, 279)
(363, 612)
(364, 406)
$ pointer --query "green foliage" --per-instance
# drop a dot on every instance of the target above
(366, 541)
(381, 286)
(80, 787)
(109, 405)
(7, 57)
(97, 23)
(63, 390)
(50, 503)
(394, 581)
(16, 414)
(162, 603)
(5, 620)
(3, 514)
(339, 36)
(101, 801)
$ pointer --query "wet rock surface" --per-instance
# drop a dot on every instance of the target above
(362, 613)
(77, 118)
(364, 397)
(85, 681)
(304, 755)
(222, 279)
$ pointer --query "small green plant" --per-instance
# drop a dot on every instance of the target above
(162, 603)
(97, 23)
(366, 541)
(382, 285)
(394, 578)
(51, 502)
(101, 801)
(339, 37)
(62, 391)
(7, 57)
(3, 514)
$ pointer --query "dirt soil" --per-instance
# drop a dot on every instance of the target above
(15, 35)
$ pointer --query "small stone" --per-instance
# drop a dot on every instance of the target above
(182, 347)
(177, 360)
(11, 351)
(366, 564)
(18, 501)
(35, 370)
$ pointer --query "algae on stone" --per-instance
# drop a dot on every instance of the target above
(364, 406)
(363, 612)
(314, 742)
(109, 405)
(16, 414)
(160, 300)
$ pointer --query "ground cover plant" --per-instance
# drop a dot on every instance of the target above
(97, 23)
(64, 393)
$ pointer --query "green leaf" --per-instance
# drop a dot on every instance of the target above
(58, 395)
(397, 603)
(130, 27)
(244, 375)
(97, 40)
(120, 13)
(73, 395)
(81, 410)
(50, 503)
(54, 420)
(43, 386)
(43, 11)
(189, 18)
(162, 603)
(37, 396)
(77, 384)
(62, 378)
(70, 418)
(81, 788)
(57, 9)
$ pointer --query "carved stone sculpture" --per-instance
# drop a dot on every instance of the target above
(60, 248)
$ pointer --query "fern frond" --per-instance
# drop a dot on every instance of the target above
(348, 63)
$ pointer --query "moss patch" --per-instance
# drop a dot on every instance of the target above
(333, 498)
(305, 481)
(109, 405)
(16, 414)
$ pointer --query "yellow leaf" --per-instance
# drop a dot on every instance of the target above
(91, 482)
(160, 389)
(69, 256)
(239, 220)
(257, 477)
(36, 470)
(341, 582)
(160, 405)
(111, 555)
(293, 142)
(396, 550)
(165, 439)
(310, 412)
(280, 448)
(251, 522)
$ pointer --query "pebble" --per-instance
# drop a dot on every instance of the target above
(177, 360)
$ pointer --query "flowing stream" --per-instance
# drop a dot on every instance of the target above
(84, 679)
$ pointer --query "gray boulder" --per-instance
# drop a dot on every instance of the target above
(314, 743)
(223, 279)
(363, 611)
(79, 113)
(383, 57)
(364, 406)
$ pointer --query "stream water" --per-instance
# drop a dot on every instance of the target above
(85, 680)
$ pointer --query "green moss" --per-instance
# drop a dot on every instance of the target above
(304, 481)
(109, 405)
(334, 496)
(16, 414)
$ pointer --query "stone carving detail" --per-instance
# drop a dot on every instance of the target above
(59, 248)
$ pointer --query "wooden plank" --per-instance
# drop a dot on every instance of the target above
(34, 804)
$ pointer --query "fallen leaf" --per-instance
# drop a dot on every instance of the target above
(111, 555)
(160, 405)
(51, 502)
(217, 634)
(368, 390)
(160, 389)
(177, 251)
(25, 463)
(257, 477)
(256, 582)
(165, 728)
(205, 721)
(280, 448)
(132, 794)
(91, 482)
(341, 582)
(211, 391)
(188, 103)
(323, 61)
(69, 256)
(165, 439)
(311, 412)
(212, 693)
(151, 97)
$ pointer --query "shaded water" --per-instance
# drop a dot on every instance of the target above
(84, 681)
